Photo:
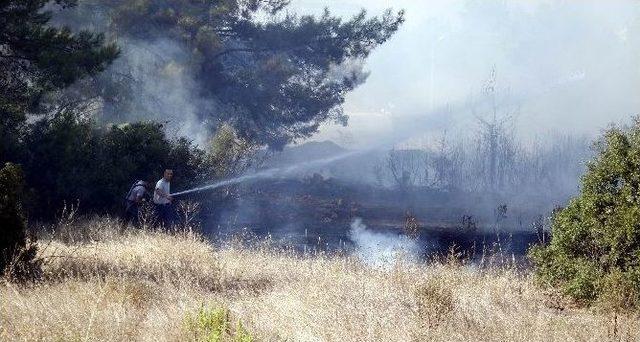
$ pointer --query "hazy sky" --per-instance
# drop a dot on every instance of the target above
(568, 65)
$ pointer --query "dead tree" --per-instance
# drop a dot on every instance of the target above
(404, 167)
(446, 163)
(495, 138)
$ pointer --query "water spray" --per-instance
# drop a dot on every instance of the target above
(270, 173)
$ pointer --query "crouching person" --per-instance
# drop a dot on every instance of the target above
(134, 198)
(162, 199)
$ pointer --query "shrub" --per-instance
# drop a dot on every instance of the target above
(17, 254)
(594, 253)
(59, 164)
(214, 325)
(229, 153)
(71, 159)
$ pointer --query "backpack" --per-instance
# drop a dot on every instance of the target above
(135, 185)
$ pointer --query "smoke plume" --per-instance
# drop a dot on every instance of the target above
(381, 249)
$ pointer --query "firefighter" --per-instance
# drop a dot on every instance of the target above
(133, 199)
(162, 198)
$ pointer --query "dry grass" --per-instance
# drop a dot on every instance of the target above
(145, 285)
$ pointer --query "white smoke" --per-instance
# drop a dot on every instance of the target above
(163, 84)
(572, 66)
(167, 91)
(381, 249)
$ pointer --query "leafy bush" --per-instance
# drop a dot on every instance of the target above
(71, 159)
(229, 153)
(214, 325)
(17, 255)
(594, 253)
(58, 163)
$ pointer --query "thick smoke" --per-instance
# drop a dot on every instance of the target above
(161, 84)
(165, 87)
(564, 70)
(381, 249)
(572, 66)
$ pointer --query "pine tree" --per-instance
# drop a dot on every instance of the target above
(273, 77)
(36, 58)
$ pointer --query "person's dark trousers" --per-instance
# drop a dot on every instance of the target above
(131, 213)
(165, 214)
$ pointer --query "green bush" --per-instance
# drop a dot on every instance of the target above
(594, 253)
(17, 255)
(70, 159)
(214, 325)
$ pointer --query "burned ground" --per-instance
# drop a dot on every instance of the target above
(317, 212)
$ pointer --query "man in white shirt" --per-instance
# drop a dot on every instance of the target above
(162, 198)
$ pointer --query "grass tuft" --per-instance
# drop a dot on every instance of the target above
(214, 325)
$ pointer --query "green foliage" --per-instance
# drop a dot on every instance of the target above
(36, 59)
(276, 77)
(70, 159)
(229, 153)
(594, 252)
(17, 255)
(59, 163)
(214, 325)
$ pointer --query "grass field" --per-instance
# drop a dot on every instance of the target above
(103, 285)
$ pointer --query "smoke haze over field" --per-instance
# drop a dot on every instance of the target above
(444, 121)
(571, 66)
(381, 249)
(555, 72)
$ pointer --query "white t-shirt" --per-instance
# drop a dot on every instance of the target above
(165, 187)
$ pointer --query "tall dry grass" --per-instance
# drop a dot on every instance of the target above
(104, 285)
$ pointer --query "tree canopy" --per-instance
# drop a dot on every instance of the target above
(36, 58)
(274, 76)
(268, 77)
